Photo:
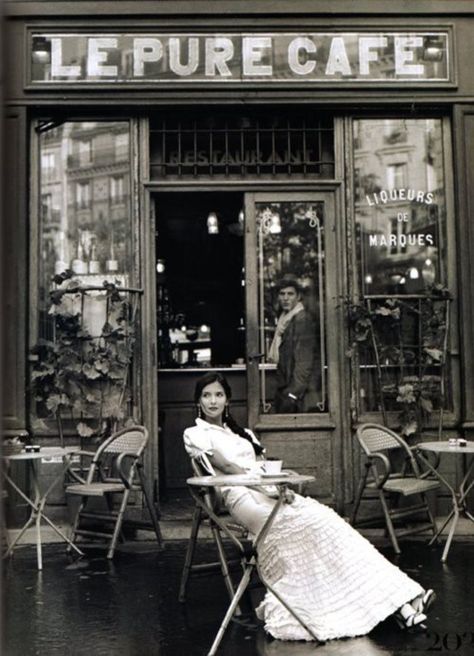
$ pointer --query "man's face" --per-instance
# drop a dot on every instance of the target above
(288, 298)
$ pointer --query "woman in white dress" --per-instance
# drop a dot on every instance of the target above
(335, 579)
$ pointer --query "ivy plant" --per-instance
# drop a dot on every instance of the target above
(80, 377)
(409, 372)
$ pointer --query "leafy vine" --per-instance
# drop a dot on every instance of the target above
(78, 376)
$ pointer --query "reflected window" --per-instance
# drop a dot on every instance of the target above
(83, 195)
(291, 306)
(117, 189)
(85, 152)
(396, 175)
(47, 165)
(121, 146)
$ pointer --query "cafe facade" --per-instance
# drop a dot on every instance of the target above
(199, 152)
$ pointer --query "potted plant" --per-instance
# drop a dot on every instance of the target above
(80, 377)
(405, 340)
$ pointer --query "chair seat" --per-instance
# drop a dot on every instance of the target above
(94, 489)
(407, 486)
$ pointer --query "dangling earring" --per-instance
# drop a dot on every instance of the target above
(226, 412)
(199, 411)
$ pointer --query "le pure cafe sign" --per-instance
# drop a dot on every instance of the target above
(319, 57)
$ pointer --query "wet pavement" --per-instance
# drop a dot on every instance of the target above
(129, 607)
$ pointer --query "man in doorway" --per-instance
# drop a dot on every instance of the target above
(295, 350)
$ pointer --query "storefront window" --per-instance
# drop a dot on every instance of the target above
(85, 243)
(401, 235)
(291, 306)
(400, 208)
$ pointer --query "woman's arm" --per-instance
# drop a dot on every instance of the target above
(224, 465)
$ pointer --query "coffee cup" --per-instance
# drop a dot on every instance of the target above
(32, 448)
(270, 466)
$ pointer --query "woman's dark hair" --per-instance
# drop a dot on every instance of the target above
(216, 377)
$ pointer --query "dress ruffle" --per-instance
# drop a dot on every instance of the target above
(338, 583)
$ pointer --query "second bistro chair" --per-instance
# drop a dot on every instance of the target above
(115, 472)
(209, 513)
(389, 482)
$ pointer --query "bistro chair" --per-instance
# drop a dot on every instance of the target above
(116, 470)
(391, 481)
(209, 513)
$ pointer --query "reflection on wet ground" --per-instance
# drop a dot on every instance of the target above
(129, 607)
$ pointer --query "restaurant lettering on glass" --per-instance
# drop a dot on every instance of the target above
(203, 154)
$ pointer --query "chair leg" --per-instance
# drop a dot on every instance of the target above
(394, 504)
(389, 523)
(151, 508)
(358, 500)
(190, 553)
(76, 521)
(434, 528)
(224, 566)
(230, 611)
(118, 524)
(109, 502)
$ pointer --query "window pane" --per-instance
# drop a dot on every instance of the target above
(291, 306)
(400, 214)
(86, 228)
(400, 208)
(230, 146)
(83, 226)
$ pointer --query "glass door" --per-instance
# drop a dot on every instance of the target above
(291, 279)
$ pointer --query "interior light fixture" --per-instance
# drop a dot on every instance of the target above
(241, 218)
(428, 271)
(275, 224)
(212, 224)
(433, 49)
(160, 266)
(413, 273)
(368, 279)
(41, 51)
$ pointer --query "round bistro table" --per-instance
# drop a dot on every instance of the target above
(459, 496)
(39, 497)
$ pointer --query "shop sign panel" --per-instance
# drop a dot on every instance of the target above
(382, 57)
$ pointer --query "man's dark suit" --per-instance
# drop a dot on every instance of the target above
(299, 366)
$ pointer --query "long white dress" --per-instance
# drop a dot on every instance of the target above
(332, 576)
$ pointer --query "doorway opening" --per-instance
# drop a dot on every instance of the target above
(200, 280)
(200, 318)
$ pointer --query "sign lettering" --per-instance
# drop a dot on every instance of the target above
(321, 57)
